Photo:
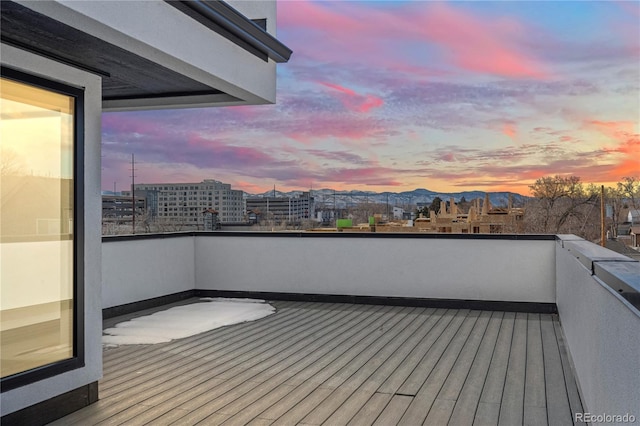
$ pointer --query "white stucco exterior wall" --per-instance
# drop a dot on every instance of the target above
(27, 395)
(468, 269)
(143, 269)
(603, 337)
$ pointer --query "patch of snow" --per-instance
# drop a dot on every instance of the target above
(184, 321)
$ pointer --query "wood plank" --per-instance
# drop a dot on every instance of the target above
(535, 411)
(365, 374)
(400, 356)
(304, 399)
(241, 385)
(440, 412)
(467, 403)
(535, 416)
(348, 378)
(349, 407)
(193, 418)
(171, 418)
(259, 422)
(351, 349)
(494, 383)
(512, 406)
(142, 355)
(317, 372)
(394, 411)
(460, 370)
(429, 360)
(216, 343)
(393, 383)
(335, 360)
(558, 409)
(243, 394)
(575, 403)
(198, 369)
(243, 411)
(421, 404)
(262, 396)
(444, 403)
(377, 369)
(487, 414)
(371, 410)
(367, 360)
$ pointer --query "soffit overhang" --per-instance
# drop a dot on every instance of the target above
(129, 80)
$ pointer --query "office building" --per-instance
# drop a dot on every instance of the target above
(187, 203)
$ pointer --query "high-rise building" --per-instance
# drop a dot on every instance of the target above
(189, 203)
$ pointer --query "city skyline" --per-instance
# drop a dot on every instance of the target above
(396, 96)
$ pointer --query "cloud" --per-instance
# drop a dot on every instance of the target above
(479, 45)
(342, 156)
(509, 130)
(353, 101)
(434, 29)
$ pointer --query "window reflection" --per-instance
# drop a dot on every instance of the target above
(36, 227)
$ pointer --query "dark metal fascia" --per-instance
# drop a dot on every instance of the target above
(240, 26)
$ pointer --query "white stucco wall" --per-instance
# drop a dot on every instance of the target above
(487, 269)
(136, 270)
(27, 395)
(603, 336)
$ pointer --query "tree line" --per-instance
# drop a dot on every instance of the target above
(563, 204)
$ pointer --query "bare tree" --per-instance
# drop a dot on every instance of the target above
(11, 163)
(561, 205)
(630, 189)
(615, 199)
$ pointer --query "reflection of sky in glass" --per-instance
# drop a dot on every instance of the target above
(36, 222)
(37, 137)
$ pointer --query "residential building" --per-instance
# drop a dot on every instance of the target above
(187, 202)
(398, 212)
(64, 63)
(480, 219)
(283, 209)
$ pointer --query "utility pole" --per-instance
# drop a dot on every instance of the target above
(335, 217)
(133, 194)
(388, 206)
(602, 231)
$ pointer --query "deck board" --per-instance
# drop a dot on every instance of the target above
(469, 397)
(558, 409)
(512, 405)
(339, 364)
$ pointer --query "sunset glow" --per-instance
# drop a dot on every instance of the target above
(381, 96)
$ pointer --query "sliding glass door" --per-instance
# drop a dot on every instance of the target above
(38, 252)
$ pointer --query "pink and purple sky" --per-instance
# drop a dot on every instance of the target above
(393, 96)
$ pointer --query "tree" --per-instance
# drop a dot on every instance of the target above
(11, 163)
(562, 205)
(630, 190)
(615, 200)
(435, 205)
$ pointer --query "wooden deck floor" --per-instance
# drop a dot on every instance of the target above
(338, 364)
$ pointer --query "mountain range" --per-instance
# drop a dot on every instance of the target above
(420, 196)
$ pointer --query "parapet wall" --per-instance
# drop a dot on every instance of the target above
(602, 327)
